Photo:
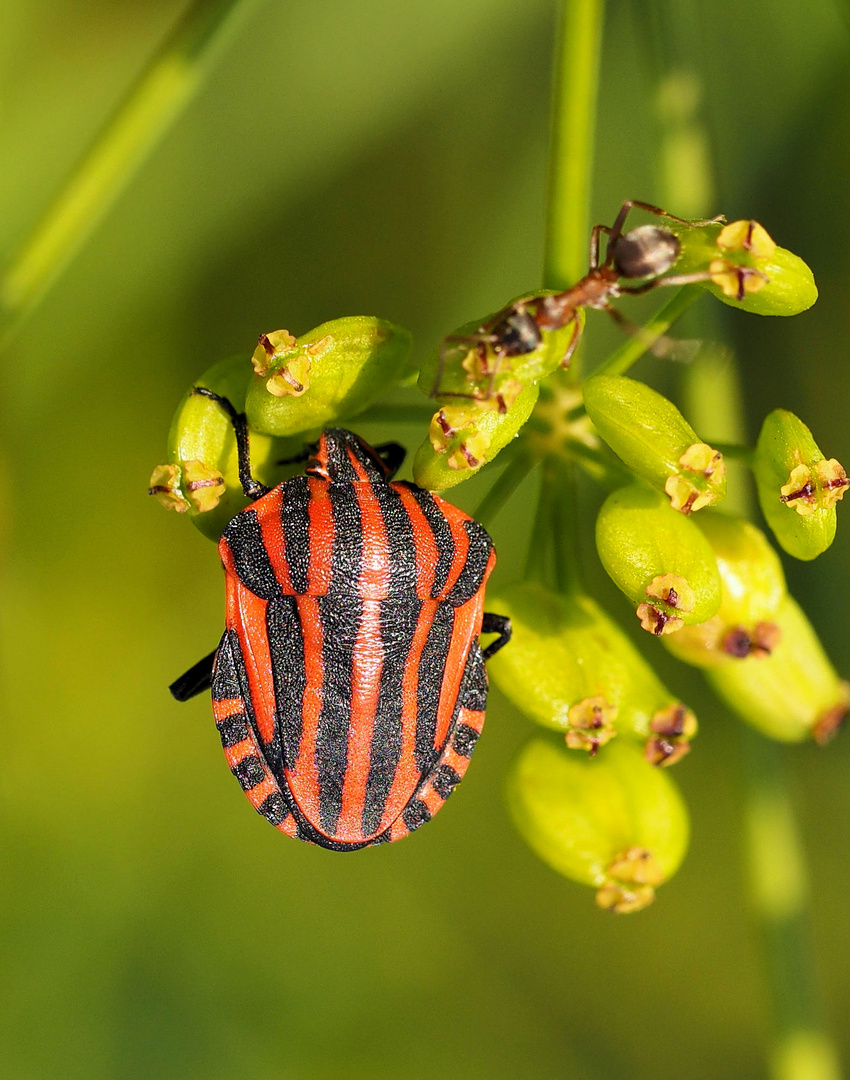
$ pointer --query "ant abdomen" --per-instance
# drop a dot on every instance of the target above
(646, 251)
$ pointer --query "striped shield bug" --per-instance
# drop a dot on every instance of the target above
(349, 686)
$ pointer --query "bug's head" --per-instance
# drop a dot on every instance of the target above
(342, 457)
(646, 251)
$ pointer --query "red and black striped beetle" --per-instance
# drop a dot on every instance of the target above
(349, 687)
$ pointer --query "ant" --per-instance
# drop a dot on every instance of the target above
(645, 252)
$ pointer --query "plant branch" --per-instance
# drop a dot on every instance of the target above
(156, 99)
(573, 137)
(503, 487)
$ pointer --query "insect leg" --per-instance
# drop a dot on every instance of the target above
(197, 679)
(675, 279)
(253, 488)
(495, 624)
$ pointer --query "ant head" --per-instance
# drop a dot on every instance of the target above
(646, 251)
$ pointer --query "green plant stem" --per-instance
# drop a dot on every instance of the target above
(152, 104)
(537, 561)
(565, 518)
(619, 362)
(778, 897)
(573, 136)
(598, 461)
(802, 1050)
(503, 487)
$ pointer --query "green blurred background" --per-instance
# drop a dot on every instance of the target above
(362, 157)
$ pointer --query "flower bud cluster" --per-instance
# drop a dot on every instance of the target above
(592, 794)
(289, 389)
(485, 392)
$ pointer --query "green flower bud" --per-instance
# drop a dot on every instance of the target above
(797, 487)
(655, 441)
(201, 478)
(753, 592)
(658, 558)
(792, 694)
(613, 822)
(466, 367)
(325, 376)
(463, 437)
(572, 669)
(747, 269)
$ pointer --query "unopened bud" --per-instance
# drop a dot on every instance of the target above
(572, 669)
(792, 694)
(655, 441)
(201, 478)
(797, 487)
(746, 269)
(658, 558)
(753, 586)
(612, 822)
(463, 437)
(324, 376)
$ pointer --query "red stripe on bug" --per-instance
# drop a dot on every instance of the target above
(467, 626)
(303, 777)
(460, 536)
(425, 545)
(367, 665)
(408, 774)
(234, 754)
(375, 565)
(227, 707)
(321, 532)
(247, 615)
(271, 528)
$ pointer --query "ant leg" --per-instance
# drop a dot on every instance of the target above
(253, 488)
(616, 230)
(675, 279)
(650, 209)
(594, 245)
(573, 345)
(660, 345)
(495, 624)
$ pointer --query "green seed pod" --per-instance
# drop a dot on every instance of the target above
(747, 270)
(794, 693)
(325, 376)
(463, 437)
(655, 441)
(466, 367)
(613, 822)
(572, 669)
(753, 592)
(658, 558)
(797, 487)
(201, 478)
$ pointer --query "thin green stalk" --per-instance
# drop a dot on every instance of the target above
(565, 518)
(537, 563)
(801, 1050)
(633, 348)
(573, 136)
(503, 487)
(152, 104)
